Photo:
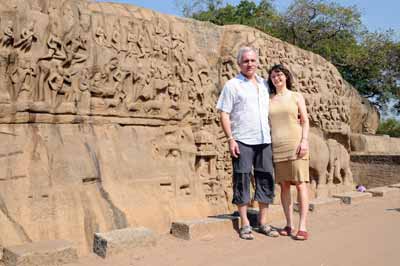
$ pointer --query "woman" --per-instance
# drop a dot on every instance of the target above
(289, 146)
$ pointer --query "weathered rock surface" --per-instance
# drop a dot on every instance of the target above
(375, 170)
(383, 191)
(352, 197)
(374, 144)
(43, 253)
(117, 241)
(203, 228)
(108, 120)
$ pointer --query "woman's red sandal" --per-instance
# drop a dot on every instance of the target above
(286, 231)
(301, 235)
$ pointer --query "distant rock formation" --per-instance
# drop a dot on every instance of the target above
(108, 119)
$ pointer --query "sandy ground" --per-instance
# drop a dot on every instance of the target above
(366, 233)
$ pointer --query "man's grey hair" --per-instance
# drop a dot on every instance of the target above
(244, 50)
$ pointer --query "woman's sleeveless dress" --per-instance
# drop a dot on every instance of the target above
(286, 135)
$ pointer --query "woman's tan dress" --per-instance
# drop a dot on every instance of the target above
(286, 135)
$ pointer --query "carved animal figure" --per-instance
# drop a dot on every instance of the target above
(319, 159)
(339, 164)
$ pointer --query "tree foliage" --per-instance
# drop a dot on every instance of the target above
(370, 61)
(389, 127)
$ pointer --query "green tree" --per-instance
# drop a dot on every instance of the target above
(389, 127)
(309, 23)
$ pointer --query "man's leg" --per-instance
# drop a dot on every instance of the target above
(241, 183)
(265, 185)
(262, 215)
(241, 195)
(244, 221)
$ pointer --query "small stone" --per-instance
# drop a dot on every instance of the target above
(117, 241)
(203, 228)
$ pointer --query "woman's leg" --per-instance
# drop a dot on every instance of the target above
(302, 193)
(287, 204)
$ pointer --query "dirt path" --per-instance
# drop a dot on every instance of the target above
(366, 233)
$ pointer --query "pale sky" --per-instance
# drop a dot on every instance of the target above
(376, 14)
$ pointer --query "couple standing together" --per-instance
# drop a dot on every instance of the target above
(255, 113)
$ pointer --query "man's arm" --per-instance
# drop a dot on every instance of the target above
(226, 126)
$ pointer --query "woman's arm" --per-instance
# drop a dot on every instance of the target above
(305, 126)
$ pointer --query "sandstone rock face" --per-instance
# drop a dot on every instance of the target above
(108, 120)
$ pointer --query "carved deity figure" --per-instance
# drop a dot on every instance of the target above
(28, 36)
(75, 51)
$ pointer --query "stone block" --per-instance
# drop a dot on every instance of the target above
(352, 197)
(117, 241)
(42, 253)
(395, 185)
(203, 228)
(320, 203)
(383, 191)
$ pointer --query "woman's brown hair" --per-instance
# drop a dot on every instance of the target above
(284, 70)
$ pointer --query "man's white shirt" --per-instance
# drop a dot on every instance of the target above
(247, 106)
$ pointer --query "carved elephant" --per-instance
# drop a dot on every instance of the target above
(339, 164)
(319, 159)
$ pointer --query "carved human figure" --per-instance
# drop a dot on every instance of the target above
(55, 49)
(23, 80)
(55, 55)
(97, 84)
(75, 51)
(67, 17)
(119, 76)
(101, 37)
(8, 37)
(55, 82)
(82, 92)
(84, 19)
(28, 36)
(116, 37)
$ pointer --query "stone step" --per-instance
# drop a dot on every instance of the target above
(319, 204)
(395, 185)
(117, 241)
(352, 197)
(383, 191)
(204, 228)
(41, 253)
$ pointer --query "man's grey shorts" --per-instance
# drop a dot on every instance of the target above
(259, 159)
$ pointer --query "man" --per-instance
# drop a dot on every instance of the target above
(243, 106)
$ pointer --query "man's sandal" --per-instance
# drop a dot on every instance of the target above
(268, 230)
(286, 231)
(301, 235)
(245, 233)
